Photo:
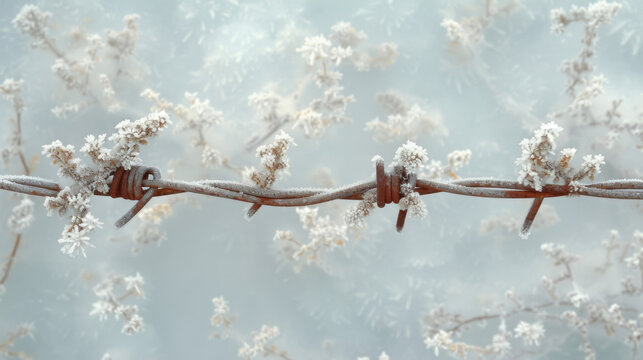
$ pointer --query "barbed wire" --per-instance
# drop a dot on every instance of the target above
(131, 184)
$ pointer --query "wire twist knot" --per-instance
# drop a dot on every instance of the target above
(128, 184)
(389, 188)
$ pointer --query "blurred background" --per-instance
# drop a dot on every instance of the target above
(374, 292)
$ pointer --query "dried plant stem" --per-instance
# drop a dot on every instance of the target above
(26, 171)
(14, 251)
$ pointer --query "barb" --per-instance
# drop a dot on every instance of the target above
(388, 191)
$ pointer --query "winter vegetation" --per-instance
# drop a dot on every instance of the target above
(441, 113)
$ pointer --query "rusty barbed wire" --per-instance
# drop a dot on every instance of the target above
(136, 184)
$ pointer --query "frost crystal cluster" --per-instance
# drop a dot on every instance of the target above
(127, 141)
(324, 237)
(537, 167)
(197, 117)
(325, 55)
(221, 317)
(90, 63)
(112, 303)
(260, 341)
(21, 216)
(274, 161)
(403, 122)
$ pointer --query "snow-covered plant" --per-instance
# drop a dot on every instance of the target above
(404, 122)
(466, 35)
(90, 64)
(323, 55)
(594, 15)
(347, 37)
(584, 86)
(455, 161)
(22, 214)
(537, 166)
(321, 112)
(6, 345)
(324, 237)
(561, 300)
(221, 318)
(260, 340)
(127, 141)
(21, 217)
(354, 217)
(197, 117)
(10, 89)
(530, 333)
(112, 292)
(273, 160)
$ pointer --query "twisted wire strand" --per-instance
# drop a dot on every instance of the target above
(131, 187)
(626, 189)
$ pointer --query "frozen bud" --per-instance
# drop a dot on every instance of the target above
(410, 156)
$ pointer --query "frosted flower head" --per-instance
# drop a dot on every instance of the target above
(32, 21)
(21, 216)
(315, 48)
(531, 334)
(10, 88)
(410, 156)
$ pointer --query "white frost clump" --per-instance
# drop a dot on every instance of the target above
(594, 15)
(537, 167)
(412, 202)
(33, 22)
(260, 340)
(123, 42)
(111, 303)
(200, 115)
(354, 217)
(455, 161)
(61, 111)
(403, 122)
(221, 317)
(127, 142)
(383, 356)
(197, 117)
(324, 236)
(21, 216)
(531, 334)
(315, 48)
(274, 161)
(410, 156)
(325, 55)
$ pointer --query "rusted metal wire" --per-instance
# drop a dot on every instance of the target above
(135, 184)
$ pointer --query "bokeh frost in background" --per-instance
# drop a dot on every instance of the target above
(374, 293)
